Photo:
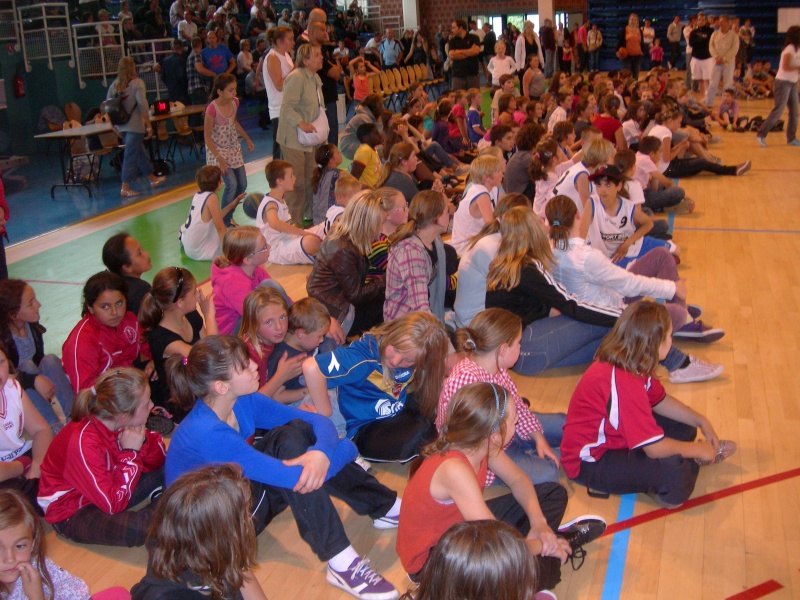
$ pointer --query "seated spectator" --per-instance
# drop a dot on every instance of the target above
(106, 337)
(124, 256)
(41, 376)
(103, 463)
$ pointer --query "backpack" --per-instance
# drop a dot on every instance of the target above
(115, 109)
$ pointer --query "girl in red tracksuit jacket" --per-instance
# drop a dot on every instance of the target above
(107, 336)
(103, 462)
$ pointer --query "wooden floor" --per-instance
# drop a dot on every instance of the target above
(740, 257)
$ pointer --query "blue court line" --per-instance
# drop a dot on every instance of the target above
(612, 585)
(671, 221)
(726, 230)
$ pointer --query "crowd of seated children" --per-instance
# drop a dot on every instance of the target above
(382, 274)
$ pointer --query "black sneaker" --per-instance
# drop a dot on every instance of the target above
(581, 531)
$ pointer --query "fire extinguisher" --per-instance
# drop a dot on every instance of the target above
(19, 83)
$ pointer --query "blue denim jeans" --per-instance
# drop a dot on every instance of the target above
(134, 161)
(523, 451)
(235, 184)
(436, 151)
(50, 366)
(564, 342)
(663, 197)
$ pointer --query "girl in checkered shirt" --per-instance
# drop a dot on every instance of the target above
(492, 345)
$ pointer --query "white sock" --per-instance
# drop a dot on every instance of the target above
(344, 559)
(395, 510)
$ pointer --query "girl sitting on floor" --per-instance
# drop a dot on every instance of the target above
(491, 345)
(299, 461)
(25, 438)
(416, 273)
(104, 462)
(447, 486)
(188, 557)
(30, 574)
(624, 434)
(42, 375)
(107, 336)
(172, 324)
(373, 374)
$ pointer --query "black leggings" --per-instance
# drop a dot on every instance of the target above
(686, 167)
(314, 514)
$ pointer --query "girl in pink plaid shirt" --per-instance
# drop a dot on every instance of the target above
(492, 345)
(416, 272)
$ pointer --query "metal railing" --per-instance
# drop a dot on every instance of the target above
(9, 31)
(98, 47)
(45, 33)
(146, 54)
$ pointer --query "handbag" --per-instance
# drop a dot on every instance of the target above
(320, 123)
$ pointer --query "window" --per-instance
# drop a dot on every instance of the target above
(497, 25)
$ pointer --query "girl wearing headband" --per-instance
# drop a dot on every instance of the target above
(447, 486)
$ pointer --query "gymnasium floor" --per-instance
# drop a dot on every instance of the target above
(739, 537)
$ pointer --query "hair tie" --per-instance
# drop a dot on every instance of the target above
(470, 345)
(536, 155)
(556, 223)
(319, 166)
(502, 410)
(94, 391)
(185, 360)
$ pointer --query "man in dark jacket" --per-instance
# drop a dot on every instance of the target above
(547, 36)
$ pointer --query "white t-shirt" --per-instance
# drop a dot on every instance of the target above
(663, 133)
(632, 131)
(465, 226)
(200, 240)
(790, 50)
(644, 167)
(473, 268)
(558, 115)
(635, 191)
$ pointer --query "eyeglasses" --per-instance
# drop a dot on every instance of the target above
(178, 289)
(264, 249)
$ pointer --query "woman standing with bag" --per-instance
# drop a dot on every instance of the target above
(303, 126)
(130, 89)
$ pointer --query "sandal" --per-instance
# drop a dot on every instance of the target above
(154, 183)
(129, 193)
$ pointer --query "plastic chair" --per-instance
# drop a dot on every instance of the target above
(84, 164)
(110, 141)
(183, 132)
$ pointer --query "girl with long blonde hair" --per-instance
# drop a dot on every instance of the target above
(338, 278)
(133, 98)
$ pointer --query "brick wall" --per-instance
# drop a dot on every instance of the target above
(389, 7)
(434, 12)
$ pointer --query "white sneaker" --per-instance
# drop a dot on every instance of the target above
(697, 370)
